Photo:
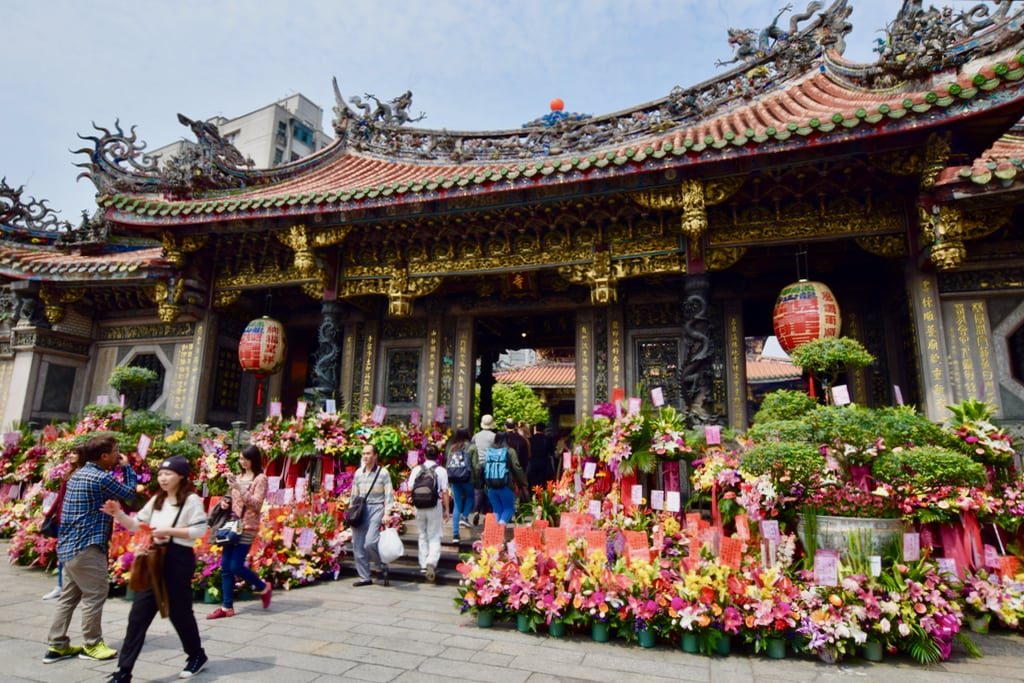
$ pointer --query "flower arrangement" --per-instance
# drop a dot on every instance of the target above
(977, 436)
(1002, 597)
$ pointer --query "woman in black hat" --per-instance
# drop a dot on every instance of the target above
(177, 519)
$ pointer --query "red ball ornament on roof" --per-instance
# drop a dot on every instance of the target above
(262, 347)
(805, 311)
(557, 104)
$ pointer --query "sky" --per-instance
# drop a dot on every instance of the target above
(471, 64)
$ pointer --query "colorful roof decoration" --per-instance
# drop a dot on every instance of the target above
(45, 263)
(1002, 163)
(541, 375)
(790, 89)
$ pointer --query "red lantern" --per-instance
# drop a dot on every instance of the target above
(557, 104)
(805, 311)
(261, 350)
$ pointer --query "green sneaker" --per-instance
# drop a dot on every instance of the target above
(56, 654)
(98, 652)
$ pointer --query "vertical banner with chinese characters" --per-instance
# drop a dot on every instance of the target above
(931, 344)
(462, 400)
(616, 368)
(584, 363)
(429, 400)
(736, 369)
(969, 344)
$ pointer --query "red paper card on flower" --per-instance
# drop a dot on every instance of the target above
(731, 552)
(638, 547)
(142, 539)
(493, 536)
(555, 541)
(692, 522)
(526, 538)
(1009, 565)
(742, 527)
(541, 524)
(287, 536)
(597, 540)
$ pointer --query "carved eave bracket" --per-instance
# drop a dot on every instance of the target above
(886, 246)
(303, 240)
(398, 287)
(692, 197)
(228, 288)
(946, 227)
(176, 247)
(55, 301)
(603, 274)
(168, 298)
(926, 163)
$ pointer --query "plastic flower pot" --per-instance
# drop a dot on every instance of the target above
(690, 642)
(723, 645)
(557, 628)
(776, 648)
(646, 637)
(523, 623)
(211, 596)
(129, 595)
(873, 651)
(599, 632)
(485, 618)
(979, 623)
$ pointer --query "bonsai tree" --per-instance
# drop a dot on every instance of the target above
(131, 380)
(826, 358)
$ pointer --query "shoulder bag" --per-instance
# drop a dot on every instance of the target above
(357, 506)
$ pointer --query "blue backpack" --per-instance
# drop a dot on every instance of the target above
(496, 468)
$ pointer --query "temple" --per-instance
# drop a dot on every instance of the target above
(646, 245)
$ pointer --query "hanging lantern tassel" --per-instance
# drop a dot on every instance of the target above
(810, 387)
(259, 390)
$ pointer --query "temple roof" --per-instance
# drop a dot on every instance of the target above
(785, 95)
(1002, 163)
(32, 262)
(541, 375)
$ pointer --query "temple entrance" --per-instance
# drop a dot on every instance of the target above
(536, 349)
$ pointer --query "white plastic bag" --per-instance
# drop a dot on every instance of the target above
(390, 545)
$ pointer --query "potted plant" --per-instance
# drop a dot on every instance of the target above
(826, 358)
(132, 380)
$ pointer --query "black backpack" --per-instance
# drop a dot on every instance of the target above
(424, 488)
(459, 470)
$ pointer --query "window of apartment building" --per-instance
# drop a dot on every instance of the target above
(303, 133)
(231, 137)
(295, 156)
(278, 155)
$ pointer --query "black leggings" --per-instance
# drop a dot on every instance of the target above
(179, 566)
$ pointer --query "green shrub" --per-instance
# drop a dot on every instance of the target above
(128, 378)
(928, 467)
(782, 430)
(784, 404)
(790, 465)
(904, 426)
(145, 422)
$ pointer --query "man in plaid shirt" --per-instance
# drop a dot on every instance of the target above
(82, 547)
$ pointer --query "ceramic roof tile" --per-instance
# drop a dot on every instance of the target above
(541, 375)
(16, 261)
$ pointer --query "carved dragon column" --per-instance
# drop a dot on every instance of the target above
(328, 353)
(696, 375)
(487, 381)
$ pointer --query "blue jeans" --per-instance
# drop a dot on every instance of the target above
(232, 564)
(463, 494)
(503, 502)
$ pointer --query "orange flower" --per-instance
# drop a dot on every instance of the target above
(835, 600)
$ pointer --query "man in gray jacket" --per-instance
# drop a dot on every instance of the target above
(482, 440)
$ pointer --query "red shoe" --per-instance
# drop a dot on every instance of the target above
(265, 596)
(221, 613)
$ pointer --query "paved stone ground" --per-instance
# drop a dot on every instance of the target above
(411, 632)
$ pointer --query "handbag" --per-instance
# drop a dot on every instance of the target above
(146, 565)
(49, 527)
(357, 506)
(228, 534)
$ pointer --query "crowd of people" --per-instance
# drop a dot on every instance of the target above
(488, 471)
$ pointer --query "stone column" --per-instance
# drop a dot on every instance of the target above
(930, 343)
(735, 365)
(348, 370)
(584, 363)
(328, 353)
(696, 375)
(462, 395)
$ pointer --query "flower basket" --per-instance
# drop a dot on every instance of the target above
(485, 618)
(873, 650)
(690, 642)
(834, 532)
(645, 637)
(599, 632)
(557, 629)
(776, 648)
(979, 623)
(723, 644)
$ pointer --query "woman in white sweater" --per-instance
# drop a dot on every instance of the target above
(175, 515)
